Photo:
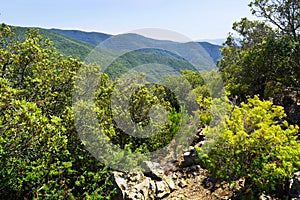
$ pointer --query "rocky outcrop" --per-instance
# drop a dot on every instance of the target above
(156, 181)
(295, 186)
(152, 184)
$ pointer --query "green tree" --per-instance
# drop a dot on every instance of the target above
(266, 59)
(41, 154)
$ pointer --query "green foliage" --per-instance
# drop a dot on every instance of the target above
(65, 45)
(266, 60)
(254, 143)
(263, 63)
(41, 154)
(143, 101)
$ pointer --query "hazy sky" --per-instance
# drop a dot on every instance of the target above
(196, 19)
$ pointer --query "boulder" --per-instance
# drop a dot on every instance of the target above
(293, 113)
(153, 170)
(189, 158)
(163, 189)
(295, 186)
(120, 183)
(135, 185)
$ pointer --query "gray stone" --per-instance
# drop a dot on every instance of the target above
(120, 184)
(153, 170)
(163, 189)
(170, 182)
(152, 190)
(182, 183)
(189, 158)
(295, 185)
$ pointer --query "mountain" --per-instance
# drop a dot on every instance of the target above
(191, 51)
(120, 53)
(211, 52)
(218, 41)
(93, 38)
(65, 45)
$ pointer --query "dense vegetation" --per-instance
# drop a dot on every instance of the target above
(41, 154)
(249, 137)
(255, 142)
(64, 45)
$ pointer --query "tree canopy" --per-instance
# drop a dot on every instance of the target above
(266, 59)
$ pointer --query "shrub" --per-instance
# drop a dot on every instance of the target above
(255, 143)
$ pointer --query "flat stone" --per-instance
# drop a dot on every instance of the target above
(182, 183)
(163, 189)
(153, 170)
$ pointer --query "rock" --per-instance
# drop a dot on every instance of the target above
(295, 186)
(264, 197)
(182, 183)
(120, 184)
(135, 176)
(135, 185)
(189, 158)
(293, 113)
(152, 190)
(153, 170)
(134, 196)
(170, 183)
(162, 189)
(174, 176)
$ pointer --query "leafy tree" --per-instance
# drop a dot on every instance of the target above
(284, 14)
(255, 143)
(135, 104)
(266, 59)
(41, 154)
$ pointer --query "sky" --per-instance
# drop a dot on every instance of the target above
(195, 19)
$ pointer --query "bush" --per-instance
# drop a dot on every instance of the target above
(255, 143)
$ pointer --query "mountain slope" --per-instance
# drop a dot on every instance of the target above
(191, 51)
(131, 51)
(210, 52)
(65, 45)
(213, 50)
(93, 38)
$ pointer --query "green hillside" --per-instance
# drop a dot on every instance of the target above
(213, 50)
(93, 38)
(65, 45)
(208, 57)
(172, 54)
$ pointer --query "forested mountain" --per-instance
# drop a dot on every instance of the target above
(93, 38)
(79, 44)
(211, 52)
(65, 45)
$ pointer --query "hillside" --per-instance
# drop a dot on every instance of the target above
(139, 51)
(213, 50)
(65, 45)
(208, 57)
(93, 38)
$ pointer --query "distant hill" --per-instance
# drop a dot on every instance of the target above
(212, 50)
(191, 51)
(138, 51)
(218, 41)
(93, 38)
(65, 45)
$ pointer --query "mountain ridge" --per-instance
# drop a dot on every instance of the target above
(80, 44)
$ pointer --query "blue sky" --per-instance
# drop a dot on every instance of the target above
(196, 19)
